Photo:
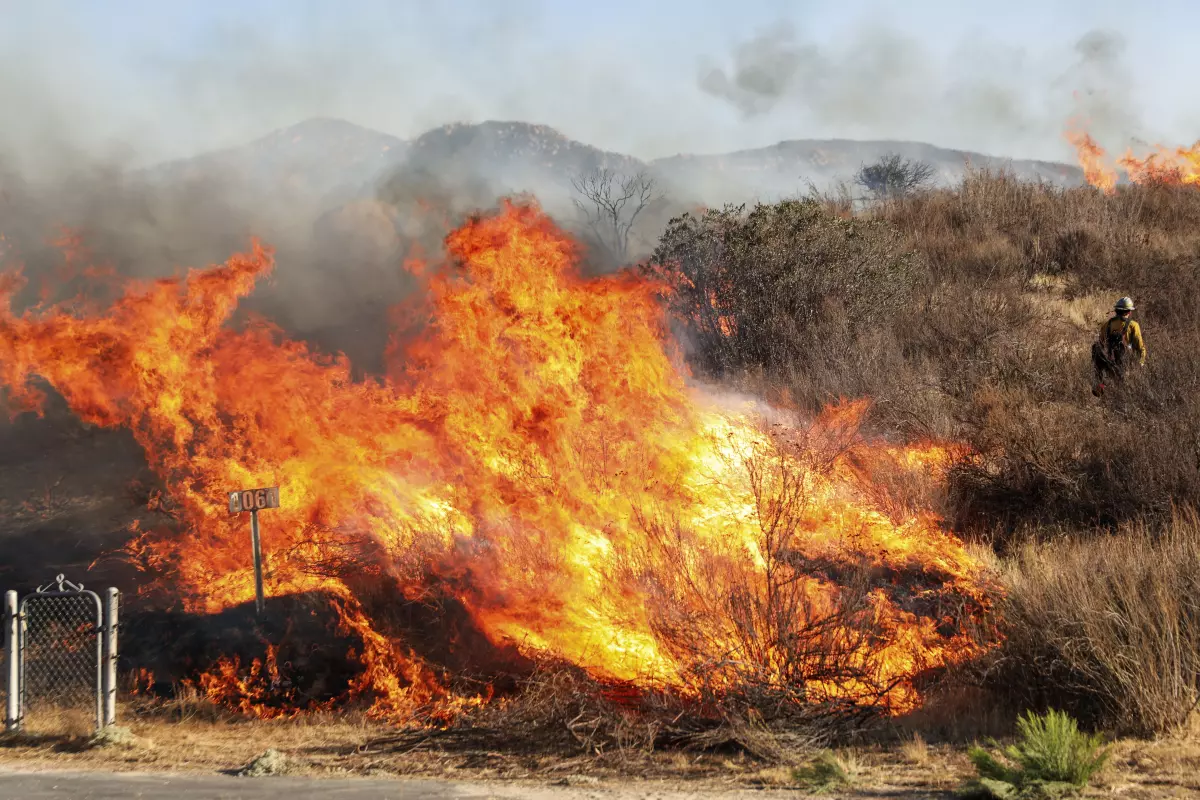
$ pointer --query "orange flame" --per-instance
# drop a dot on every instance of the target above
(1172, 167)
(1165, 166)
(537, 454)
(1091, 159)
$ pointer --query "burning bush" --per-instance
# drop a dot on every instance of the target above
(534, 476)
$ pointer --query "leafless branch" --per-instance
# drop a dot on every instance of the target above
(894, 176)
(610, 204)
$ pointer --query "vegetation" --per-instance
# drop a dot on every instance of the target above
(609, 204)
(967, 314)
(1108, 627)
(894, 176)
(782, 288)
(1051, 758)
(827, 772)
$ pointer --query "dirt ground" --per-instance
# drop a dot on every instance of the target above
(350, 747)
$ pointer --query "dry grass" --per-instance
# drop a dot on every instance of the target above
(915, 750)
(989, 345)
(1109, 627)
(347, 745)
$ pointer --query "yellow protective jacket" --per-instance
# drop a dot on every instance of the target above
(1132, 334)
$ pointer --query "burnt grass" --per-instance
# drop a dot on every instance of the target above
(965, 314)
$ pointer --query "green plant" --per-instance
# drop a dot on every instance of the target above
(825, 773)
(1052, 758)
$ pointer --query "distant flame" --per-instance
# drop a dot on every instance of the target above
(538, 454)
(1168, 166)
(1091, 159)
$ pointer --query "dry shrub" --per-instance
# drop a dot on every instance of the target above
(184, 704)
(957, 710)
(760, 289)
(562, 708)
(1109, 628)
(915, 750)
(983, 336)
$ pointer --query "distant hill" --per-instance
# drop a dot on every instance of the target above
(318, 163)
(344, 205)
(494, 158)
(324, 163)
(512, 144)
(786, 168)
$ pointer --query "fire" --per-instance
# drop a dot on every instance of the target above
(1177, 166)
(1091, 159)
(537, 456)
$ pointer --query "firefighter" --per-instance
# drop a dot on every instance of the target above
(1118, 336)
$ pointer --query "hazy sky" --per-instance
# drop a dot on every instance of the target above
(141, 81)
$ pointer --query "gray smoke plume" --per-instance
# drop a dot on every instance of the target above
(90, 117)
(881, 83)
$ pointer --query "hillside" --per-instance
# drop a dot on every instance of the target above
(318, 163)
(325, 162)
(785, 168)
(959, 318)
(473, 164)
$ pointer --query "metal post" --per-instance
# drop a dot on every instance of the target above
(12, 638)
(111, 602)
(258, 578)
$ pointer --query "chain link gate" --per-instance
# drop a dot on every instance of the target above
(61, 649)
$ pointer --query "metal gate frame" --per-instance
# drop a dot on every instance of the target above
(106, 649)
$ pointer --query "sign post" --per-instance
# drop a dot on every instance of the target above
(255, 500)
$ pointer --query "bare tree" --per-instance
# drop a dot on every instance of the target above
(894, 176)
(610, 204)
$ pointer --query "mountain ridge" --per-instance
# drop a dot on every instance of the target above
(331, 160)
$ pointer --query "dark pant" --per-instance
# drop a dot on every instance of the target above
(1106, 367)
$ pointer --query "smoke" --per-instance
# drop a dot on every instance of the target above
(97, 96)
(121, 84)
(96, 100)
(883, 83)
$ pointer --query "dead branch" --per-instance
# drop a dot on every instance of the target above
(610, 204)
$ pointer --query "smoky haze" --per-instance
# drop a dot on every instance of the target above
(881, 83)
(141, 97)
(90, 117)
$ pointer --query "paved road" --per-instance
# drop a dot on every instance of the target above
(80, 785)
(124, 786)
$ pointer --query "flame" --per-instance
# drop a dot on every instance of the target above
(1178, 166)
(538, 456)
(1164, 166)
(1092, 159)
(142, 682)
